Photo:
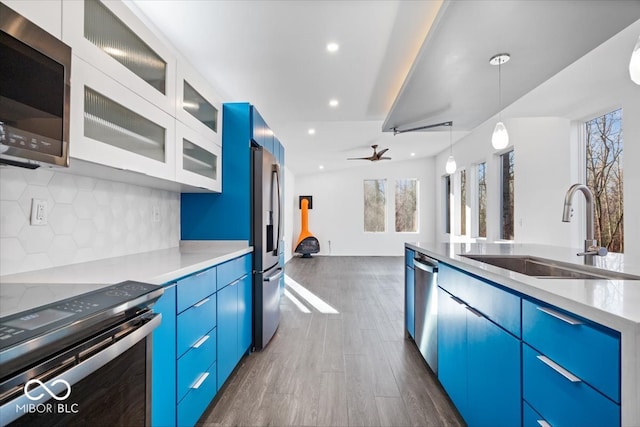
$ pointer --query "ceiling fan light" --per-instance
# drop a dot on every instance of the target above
(634, 64)
(451, 166)
(500, 137)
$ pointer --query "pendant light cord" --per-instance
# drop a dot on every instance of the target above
(500, 90)
(451, 139)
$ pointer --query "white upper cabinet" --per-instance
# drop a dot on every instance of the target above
(114, 127)
(110, 37)
(198, 160)
(46, 14)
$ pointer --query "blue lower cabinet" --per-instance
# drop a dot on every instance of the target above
(245, 310)
(562, 398)
(200, 395)
(530, 418)
(409, 301)
(195, 362)
(194, 322)
(452, 350)
(493, 357)
(227, 332)
(163, 362)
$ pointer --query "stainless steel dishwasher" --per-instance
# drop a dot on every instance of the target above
(426, 309)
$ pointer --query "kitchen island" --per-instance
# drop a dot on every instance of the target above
(602, 338)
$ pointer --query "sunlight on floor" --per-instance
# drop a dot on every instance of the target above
(306, 295)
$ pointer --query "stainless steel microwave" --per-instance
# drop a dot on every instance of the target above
(34, 94)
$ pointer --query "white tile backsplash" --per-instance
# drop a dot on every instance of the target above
(88, 219)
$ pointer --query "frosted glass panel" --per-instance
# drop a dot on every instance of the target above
(195, 104)
(197, 160)
(113, 124)
(105, 30)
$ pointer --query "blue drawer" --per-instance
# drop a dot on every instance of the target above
(409, 255)
(587, 351)
(562, 402)
(193, 324)
(498, 305)
(194, 288)
(195, 362)
(530, 418)
(196, 401)
(233, 270)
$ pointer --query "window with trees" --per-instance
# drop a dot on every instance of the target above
(407, 205)
(375, 201)
(463, 202)
(605, 178)
(506, 199)
(448, 200)
(482, 198)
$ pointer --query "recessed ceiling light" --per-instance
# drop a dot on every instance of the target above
(413, 154)
(333, 47)
(311, 131)
(321, 167)
(333, 103)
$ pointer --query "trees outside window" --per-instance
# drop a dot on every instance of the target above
(448, 193)
(605, 178)
(482, 198)
(463, 202)
(375, 201)
(507, 192)
(406, 205)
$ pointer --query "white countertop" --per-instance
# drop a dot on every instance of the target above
(614, 303)
(22, 291)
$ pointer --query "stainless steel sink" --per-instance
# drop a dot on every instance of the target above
(548, 269)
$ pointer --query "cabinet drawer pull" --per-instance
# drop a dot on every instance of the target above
(200, 341)
(201, 273)
(474, 311)
(199, 381)
(235, 282)
(204, 301)
(559, 369)
(458, 300)
(558, 315)
(543, 423)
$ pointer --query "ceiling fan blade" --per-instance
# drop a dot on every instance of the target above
(380, 153)
(385, 158)
(359, 158)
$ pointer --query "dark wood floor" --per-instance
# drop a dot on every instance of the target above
(354, 368)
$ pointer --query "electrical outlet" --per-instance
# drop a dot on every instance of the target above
(38, 212)
(155, 214)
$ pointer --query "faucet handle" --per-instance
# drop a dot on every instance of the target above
(595, 250)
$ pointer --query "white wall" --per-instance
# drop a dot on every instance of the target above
(89, 219)
(338, 203)
(290, 208)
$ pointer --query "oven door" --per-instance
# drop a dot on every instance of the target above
(105, 380)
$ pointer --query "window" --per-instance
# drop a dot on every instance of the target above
(375, 201)
(447, 203)
(407, 205)
(482, 199)
(506, 195)
(463, 202)
(604, 178)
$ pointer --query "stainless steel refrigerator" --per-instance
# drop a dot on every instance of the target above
(266, 233)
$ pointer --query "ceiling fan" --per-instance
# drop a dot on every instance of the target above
(375, 156)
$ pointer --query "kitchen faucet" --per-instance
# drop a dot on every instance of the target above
(591, 247)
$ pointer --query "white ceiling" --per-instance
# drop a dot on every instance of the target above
(273, 54)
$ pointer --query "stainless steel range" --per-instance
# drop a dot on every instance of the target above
(84, 360)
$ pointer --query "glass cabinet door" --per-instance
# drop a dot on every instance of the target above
(198, 161)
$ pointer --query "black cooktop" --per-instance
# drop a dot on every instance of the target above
(106, 302)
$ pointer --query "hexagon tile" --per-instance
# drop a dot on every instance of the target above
(88, 219)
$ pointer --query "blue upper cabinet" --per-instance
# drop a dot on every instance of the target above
(227, 216)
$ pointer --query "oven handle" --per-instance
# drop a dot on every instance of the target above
(57, 386)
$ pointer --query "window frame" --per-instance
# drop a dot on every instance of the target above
(395, 205)
(500, 156)
(476, 201)
(386, 203)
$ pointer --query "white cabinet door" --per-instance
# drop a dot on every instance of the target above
(110, 37)
(113, 126)
(198, 160)
(198, 104)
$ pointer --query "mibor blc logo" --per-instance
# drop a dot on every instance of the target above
(40, 392)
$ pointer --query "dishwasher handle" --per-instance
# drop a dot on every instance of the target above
(424, 265)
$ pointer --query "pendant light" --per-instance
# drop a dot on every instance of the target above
(634, 64)
(450, 167)
(500, 137)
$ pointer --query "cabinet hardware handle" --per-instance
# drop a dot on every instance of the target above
(543, 423)
(200, 341)
(204, 301)
(201, 273)
(561, 316)
(474, 311)
(199, 381)
(235, 282)
(559, 369)
(458, 300)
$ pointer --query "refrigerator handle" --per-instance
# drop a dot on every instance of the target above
(275, 276)
(276, 172)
